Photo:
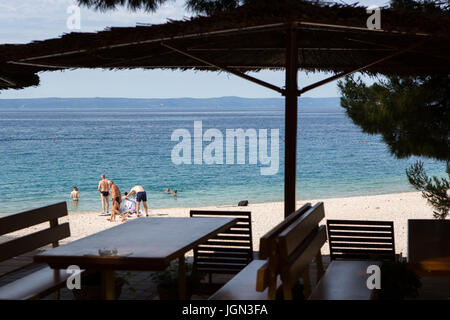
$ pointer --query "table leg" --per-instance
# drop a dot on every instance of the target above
(108, 285)
(182, 278)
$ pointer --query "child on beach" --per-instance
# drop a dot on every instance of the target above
(74, 195)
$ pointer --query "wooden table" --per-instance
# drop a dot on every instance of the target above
(435, 267)
(345, 280)
(143, 244)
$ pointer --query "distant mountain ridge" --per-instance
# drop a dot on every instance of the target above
(227, 103)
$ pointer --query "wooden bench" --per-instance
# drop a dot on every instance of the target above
(345, 280)
(286, 252)
(46, 280)
(361, 240)
(228, 252)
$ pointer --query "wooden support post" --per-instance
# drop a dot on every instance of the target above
(287, 291)
(319, 263)
(108, 285)
(290, 151)
(53, 224)
(182, 278)
(306, 283)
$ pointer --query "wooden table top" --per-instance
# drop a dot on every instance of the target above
(141, 244)
(434, 267)
(345, 280)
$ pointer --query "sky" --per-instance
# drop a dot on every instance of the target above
(27, 20)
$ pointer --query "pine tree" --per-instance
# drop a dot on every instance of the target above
(412, 114)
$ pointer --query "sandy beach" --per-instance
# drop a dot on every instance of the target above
(397, 207)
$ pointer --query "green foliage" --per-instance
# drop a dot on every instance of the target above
(435, 190)
(210, 7)
(398, 281)
(413, 117)
(412, 114)
(207, 7)
(103, 5)
(430, 6)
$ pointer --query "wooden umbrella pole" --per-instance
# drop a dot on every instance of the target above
(291, 96)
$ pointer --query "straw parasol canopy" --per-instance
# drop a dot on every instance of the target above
(330, 37)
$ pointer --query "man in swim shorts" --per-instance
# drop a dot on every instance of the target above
(116, 200)
(103, 188)
(141, 195)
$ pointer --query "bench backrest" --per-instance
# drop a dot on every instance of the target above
(361, 240)
(231, 250)
(299, 244)
(268, 249)
(289, 248)
(15, 222)
(267, 241)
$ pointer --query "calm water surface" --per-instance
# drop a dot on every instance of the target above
(335, 159)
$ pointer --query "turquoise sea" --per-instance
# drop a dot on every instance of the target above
(44, 153)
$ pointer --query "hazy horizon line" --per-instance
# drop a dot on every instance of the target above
(280, 98)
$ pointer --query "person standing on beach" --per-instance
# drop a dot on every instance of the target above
(103, 188)
(116, 200)
(141, 195)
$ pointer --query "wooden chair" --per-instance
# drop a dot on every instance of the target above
(230, 251)
(361, 240)
(46, 280)
(285, 253)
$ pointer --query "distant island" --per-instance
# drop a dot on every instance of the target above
(308, 105)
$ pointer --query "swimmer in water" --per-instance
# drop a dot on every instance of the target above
(74, 194)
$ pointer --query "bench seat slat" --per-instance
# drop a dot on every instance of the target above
(221, 249)
(361, 228)
(337, 245)
(361, 234)
(232, 237)
(360, 239)
(243, 285)
(237, 255)
(198, 213)
(362, 250)
(333, 222)
(344, 280)
(35, 285)
(222, 265)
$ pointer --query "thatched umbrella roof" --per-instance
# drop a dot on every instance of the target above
(331, 38)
